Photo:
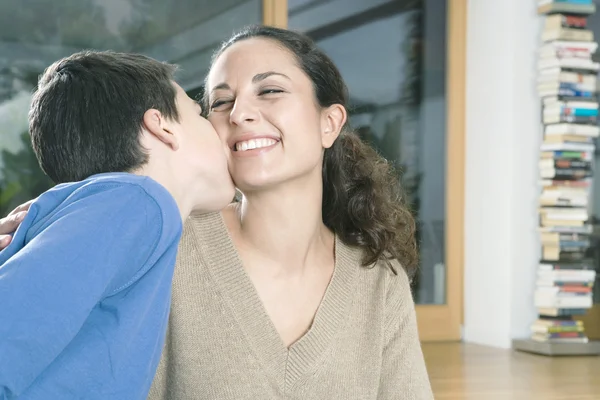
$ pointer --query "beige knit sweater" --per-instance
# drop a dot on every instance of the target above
(363, 343)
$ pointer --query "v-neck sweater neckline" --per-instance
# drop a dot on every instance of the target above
(236, 287)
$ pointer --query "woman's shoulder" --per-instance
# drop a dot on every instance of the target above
(387, 276)
(397, 288)
(392, 289)
(399, 292)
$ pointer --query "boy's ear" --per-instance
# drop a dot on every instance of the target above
(159, 127)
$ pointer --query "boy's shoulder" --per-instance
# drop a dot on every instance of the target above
(109, 188)
(100, 210)
(105, 196)
(124, 180)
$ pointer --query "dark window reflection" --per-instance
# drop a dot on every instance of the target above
(392, 55)
(35, 33)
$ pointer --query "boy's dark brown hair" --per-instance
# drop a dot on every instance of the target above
(86, 114)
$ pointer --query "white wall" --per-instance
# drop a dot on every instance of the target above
(502, 141)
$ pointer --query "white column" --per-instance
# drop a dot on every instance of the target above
(502, 142)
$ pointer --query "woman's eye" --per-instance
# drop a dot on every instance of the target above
(270, 91)
(218, 103)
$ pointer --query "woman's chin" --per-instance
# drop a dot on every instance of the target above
(249, 185)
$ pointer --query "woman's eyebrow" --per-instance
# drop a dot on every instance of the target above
(262, 76)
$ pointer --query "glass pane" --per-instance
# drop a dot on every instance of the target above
(35, 33)
(392, 55)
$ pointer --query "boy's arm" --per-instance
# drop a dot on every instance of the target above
(47, 290)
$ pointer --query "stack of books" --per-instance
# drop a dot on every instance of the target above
(567, 87)
(578, 7)
(563, 290)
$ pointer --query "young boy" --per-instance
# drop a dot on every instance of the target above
(85, 283)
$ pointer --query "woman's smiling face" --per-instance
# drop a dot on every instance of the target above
(263, 106)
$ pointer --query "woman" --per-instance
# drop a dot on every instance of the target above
(301, 289)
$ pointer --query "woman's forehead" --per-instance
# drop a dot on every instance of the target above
(250, 57)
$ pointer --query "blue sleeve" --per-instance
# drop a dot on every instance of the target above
(94, 247)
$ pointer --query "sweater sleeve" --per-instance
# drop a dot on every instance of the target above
(89, 250)
(404, 375)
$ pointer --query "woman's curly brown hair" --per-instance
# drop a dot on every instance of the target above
(362, 197)
(363, 203)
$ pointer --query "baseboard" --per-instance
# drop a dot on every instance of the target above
(487, 336)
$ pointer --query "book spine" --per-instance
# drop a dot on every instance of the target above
(567, 89)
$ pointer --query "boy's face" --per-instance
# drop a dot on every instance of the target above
(202, 154)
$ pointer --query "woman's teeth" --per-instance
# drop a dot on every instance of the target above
(254, 144)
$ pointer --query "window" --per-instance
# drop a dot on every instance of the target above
(392, 55)
(185, 32)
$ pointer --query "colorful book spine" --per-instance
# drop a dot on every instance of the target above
(567, 87)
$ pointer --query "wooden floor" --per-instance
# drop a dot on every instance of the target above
(464, 371)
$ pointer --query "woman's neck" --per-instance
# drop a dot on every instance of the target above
(285, 225)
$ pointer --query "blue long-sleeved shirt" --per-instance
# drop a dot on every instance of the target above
(85, 290)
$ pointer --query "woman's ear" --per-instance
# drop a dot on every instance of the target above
(332, 121)
(160, 128)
